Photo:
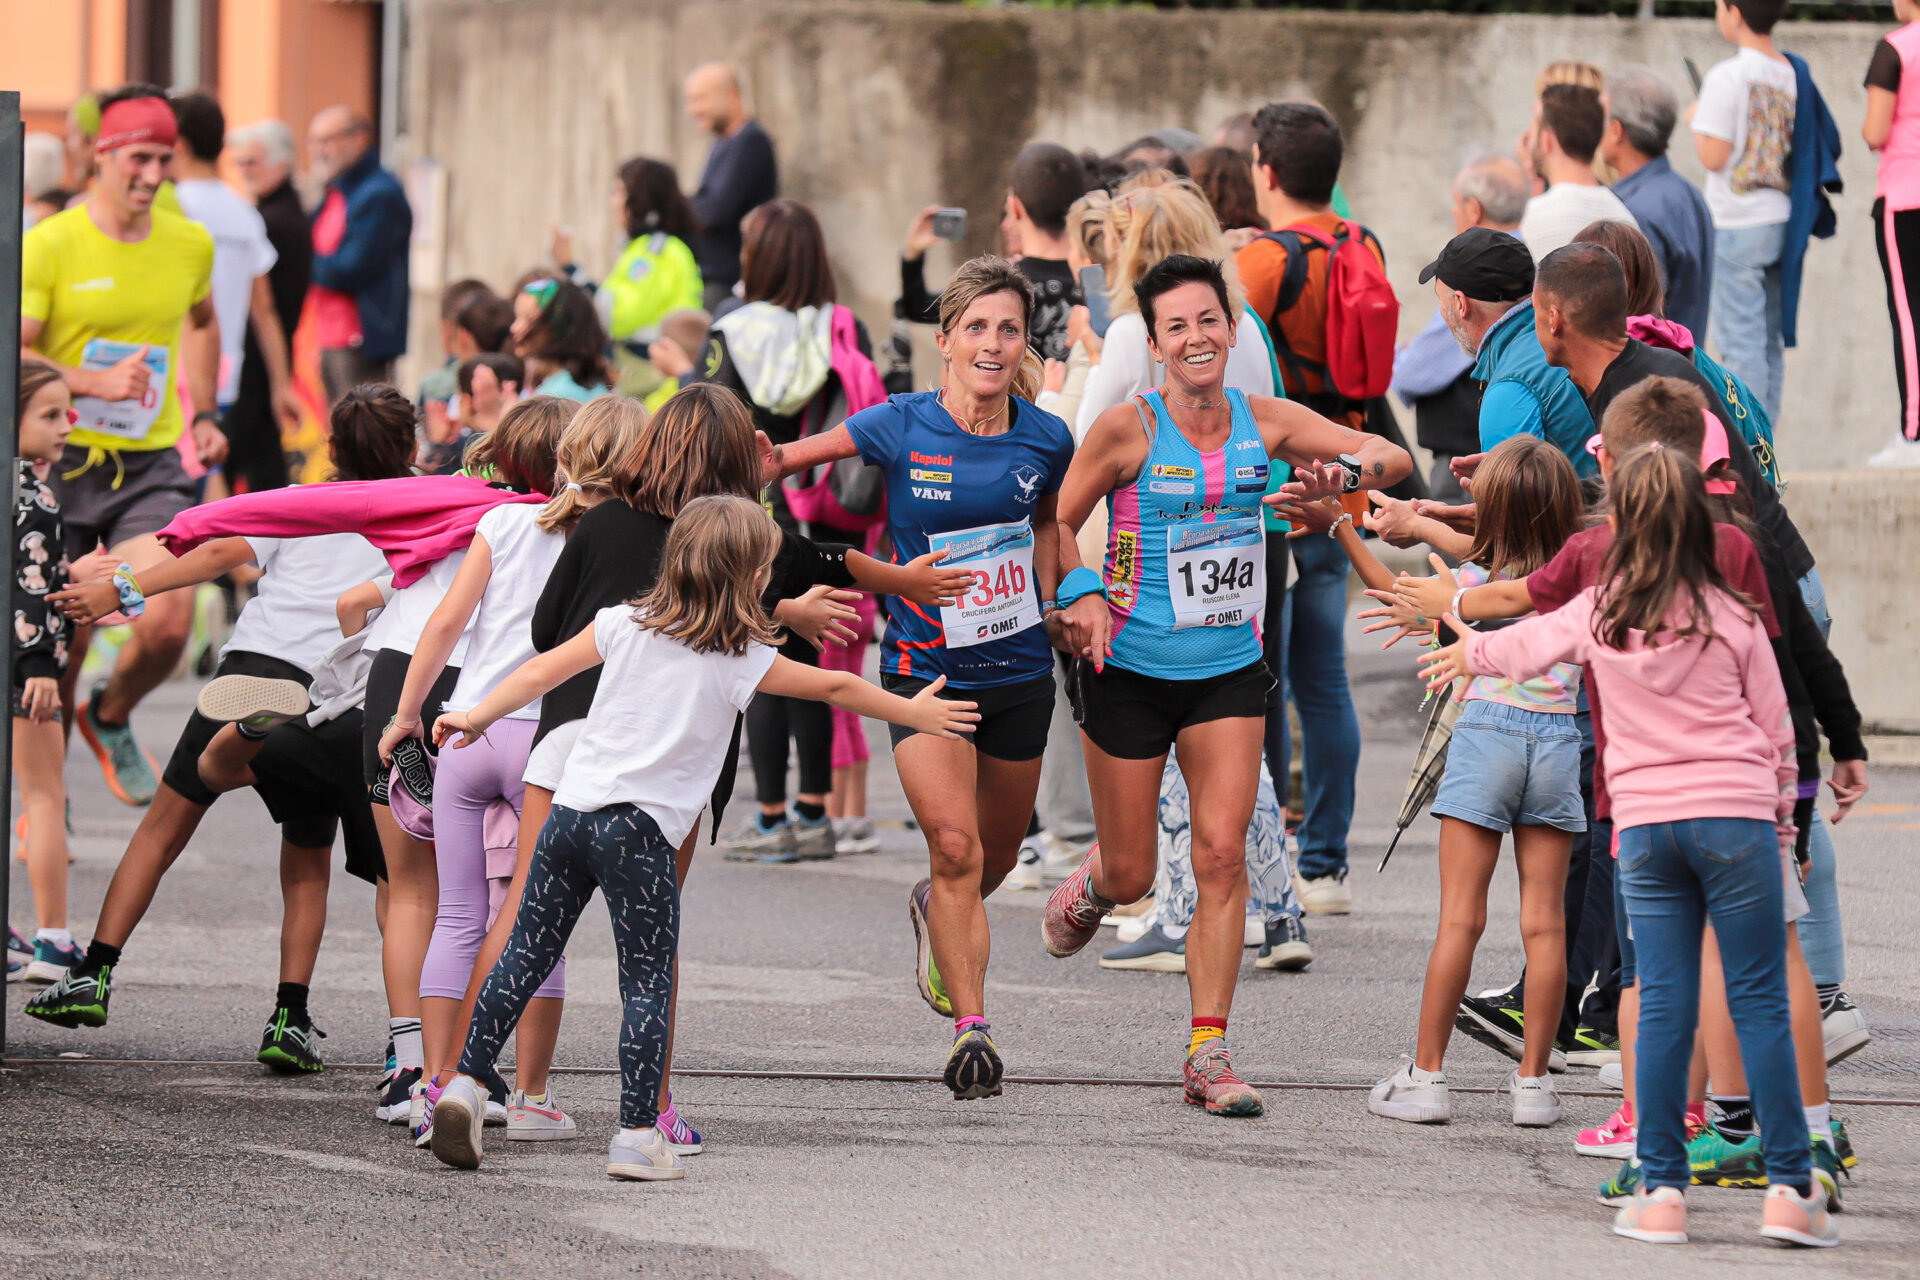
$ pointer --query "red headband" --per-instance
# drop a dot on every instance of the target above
(136, 120)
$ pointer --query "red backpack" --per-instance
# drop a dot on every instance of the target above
(1363, 315)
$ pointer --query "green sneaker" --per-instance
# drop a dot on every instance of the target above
(1719, 1161)
(1843, 1145)
(129, 771)
(973, 1067)
(1619, 1189)
(79, 999)
(926, 973)
(1591, 1048)
(289, 1043)
(1828, 1172)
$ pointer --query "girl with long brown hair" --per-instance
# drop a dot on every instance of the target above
(682, 662)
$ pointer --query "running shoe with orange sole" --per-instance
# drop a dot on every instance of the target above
(1211, 1082)
(130, 772)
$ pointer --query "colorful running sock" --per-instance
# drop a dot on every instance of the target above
(963, 1025)
(58, 937)
(292, 997)
(102, 955)
(1205, 1030)
(408, 1052)
(809, 812)
(1820, 1121)
(1736, 1115)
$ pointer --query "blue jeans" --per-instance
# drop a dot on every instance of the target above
(1814, 592)
(1820, 937)
(1745, 311)
(1674, 877)
(1314, 625)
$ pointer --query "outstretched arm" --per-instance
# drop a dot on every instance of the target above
(778, 461)
(529, 680)
(88, 602)
(926, 711)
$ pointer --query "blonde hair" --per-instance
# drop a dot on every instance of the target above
(707, 596)
(1149, 223)
(1570, 71)
(978, 278)
(1087, 225)
(519, 451)
(700, 443)
(588, 457)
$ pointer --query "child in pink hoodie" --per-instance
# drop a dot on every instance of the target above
(1700, 762)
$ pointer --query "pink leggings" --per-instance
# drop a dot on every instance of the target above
(849, 732)
(468, 780)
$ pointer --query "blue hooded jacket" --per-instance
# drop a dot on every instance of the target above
(371, 262)
(1813, 171)
(1527, 396)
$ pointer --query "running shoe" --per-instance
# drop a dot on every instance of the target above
(1791, 1218)
(1654, 1217)
(253, 702)
(396, 1102)
(812, 841)
(756, 843)
(1129, 928)
(420, 1114)
(1254, 934)
(926, 973)
(1324, 895)
(130, 772)
(1614, 1138)
(973, 1065)
(855, 835)
(1612, 1076)
(18, 946)
(1152, 952)
(1592, 1048)
(1620, 1187)
(1720, 1161)
(1497, 1020)
(289, 1044)
(542, 1121)
(1845, 1027)
(1401, 1097)
(1842, 1144)
(497, 1095)
(51, 960)
(1073, 913)
(15, 970)
(458, 1116)
(1536, 1103)
(391, 1070)
(1028, 870)
(682, 1138)
(643, 1156)
(1211, 1082)
(1828, 1171)
(1285, 946)
(79, 999)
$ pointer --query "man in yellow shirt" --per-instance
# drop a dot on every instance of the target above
(117, 294)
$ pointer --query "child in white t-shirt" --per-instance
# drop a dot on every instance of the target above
(1743, 132)
(681, 664)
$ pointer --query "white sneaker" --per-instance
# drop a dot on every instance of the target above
(1029, 872)
(1787, 1216)
(1132, 928)
(642, 1155)
(855, 835)
(1900, 453)
(457, 1120)
(1255, 933)
(538, 1121)
(1398, 1097)
(1845, 1027)
(1613, 1076)
(1536, 1103)
(1325, 896)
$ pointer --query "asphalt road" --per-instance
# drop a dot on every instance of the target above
(181, 1169)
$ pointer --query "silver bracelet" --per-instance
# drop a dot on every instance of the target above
(1454, 608)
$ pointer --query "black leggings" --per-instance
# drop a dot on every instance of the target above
(771, 721)
(1897, 236)
(620, 851)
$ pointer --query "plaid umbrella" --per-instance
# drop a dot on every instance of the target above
(1429, 764)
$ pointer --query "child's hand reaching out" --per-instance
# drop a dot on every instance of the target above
(820, 616)
(935, 715)
(1442, 667)
(933, 584)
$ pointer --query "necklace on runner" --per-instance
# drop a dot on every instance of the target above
(971, 428)
(1195, 404)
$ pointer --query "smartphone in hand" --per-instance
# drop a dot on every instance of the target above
(950, 224)
(1693, 74)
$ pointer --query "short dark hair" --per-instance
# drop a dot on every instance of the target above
(487, 318)
(1225, 179)
(371, 434)
(130, 91)
(783, 257)
(203, 125)
(1147, 153)
(1761, 16)
(1047, 179)
(506, 368)
(1574, 114)
(1667, 410)
(1299, 143)
(458, 294)
(1104, 173)
(1644, 294)
(654, 201)
(1173, 271)
(1590, 287)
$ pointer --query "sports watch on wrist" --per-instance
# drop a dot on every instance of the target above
(1350, 465)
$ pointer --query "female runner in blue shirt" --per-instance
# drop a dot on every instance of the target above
(973, 469)
(1166, 635)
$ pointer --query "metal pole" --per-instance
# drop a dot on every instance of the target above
(12, 142)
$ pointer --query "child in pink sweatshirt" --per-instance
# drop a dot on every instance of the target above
(1700, 762)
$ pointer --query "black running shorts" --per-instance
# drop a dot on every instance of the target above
(1134, 717)
(1013, 717)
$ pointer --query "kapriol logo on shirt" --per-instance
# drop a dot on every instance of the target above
(932, 469)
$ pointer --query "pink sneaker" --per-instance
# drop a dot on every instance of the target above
(1786, 1217)
(682, 1138)
(1614, 1138)
(1656, 1217)
(1074, 912)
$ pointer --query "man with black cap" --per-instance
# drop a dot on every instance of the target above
(1484, 281)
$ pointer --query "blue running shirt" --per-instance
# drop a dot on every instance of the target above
(974, 495)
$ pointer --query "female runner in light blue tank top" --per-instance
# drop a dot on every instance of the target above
(1166, 633)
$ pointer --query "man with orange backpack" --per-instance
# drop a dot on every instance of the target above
(1319, 282)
